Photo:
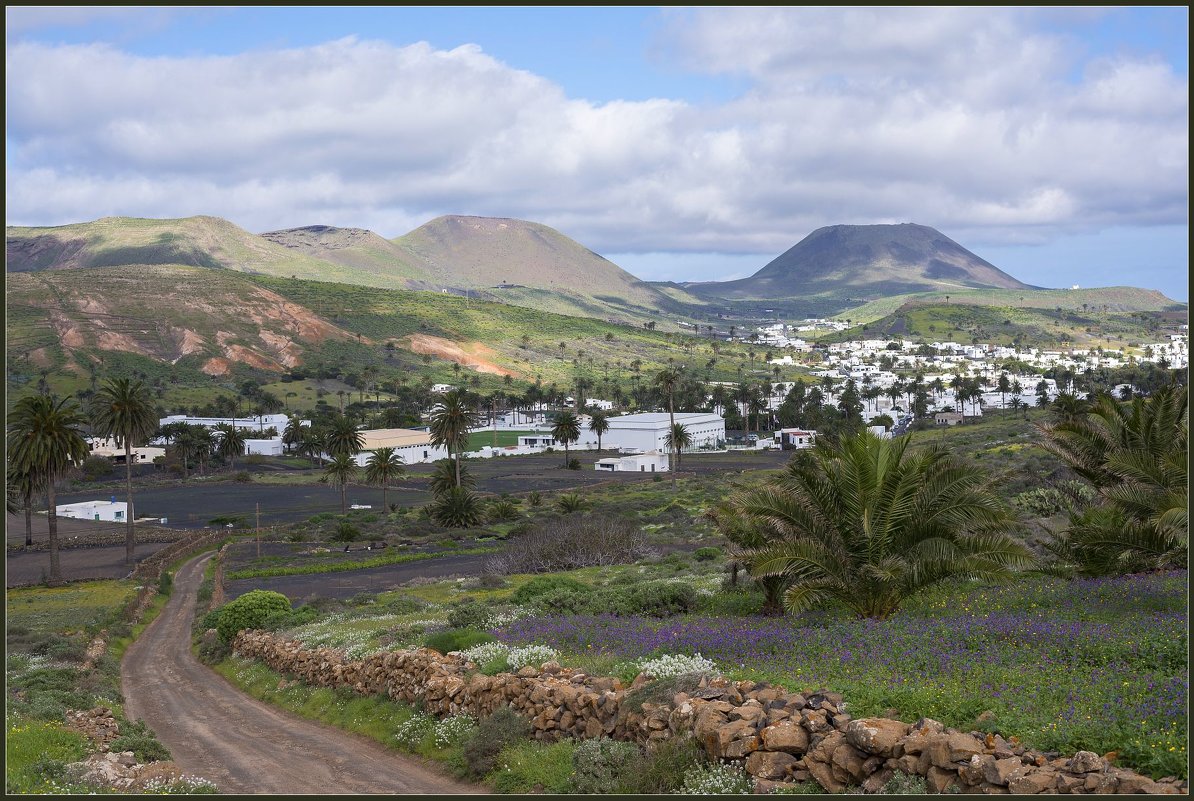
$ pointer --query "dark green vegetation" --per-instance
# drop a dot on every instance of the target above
(1012, 324)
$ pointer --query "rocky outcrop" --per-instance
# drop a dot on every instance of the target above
(780, 738)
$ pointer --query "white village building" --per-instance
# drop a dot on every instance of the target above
(652, 462)
(113, 511)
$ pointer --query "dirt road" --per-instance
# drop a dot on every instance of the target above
(241, 744)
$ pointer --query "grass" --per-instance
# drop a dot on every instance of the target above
(480, 439)
(361, 564)
(86, 605)
(534, 768)
(35, 754)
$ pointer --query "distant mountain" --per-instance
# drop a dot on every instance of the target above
(504, 259)
(511, 261)
(866, 261)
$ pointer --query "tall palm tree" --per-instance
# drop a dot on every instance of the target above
(867, 524)
(566, 430)
(343, 437)
(383, 466)
(311, 443)
(342, 469)
(667, 380)
(444, 476)
(676, 440)
(44, 439)
(232, 442)
(1135, 454)
(599, 424)
(451, 420)
(124, 410)
(292, 436)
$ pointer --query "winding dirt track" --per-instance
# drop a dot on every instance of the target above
(215, 731)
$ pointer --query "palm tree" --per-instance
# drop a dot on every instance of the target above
(867, 524)
(451, 420)
(21, 487)
(383, 466)
(599, 424)
(676, 440)
(566, 430)
(1069, 408)
(666, 381)
(292, 436)
(343, 437)
(124, 410)
(445, 475)
(1135, 454)
(44, 439)
(743, 537)
(232, 442)
(311, 443)
(341, 470)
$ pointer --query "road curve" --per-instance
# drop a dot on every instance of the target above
(243, 745)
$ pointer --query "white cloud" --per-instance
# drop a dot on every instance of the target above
(962, 119)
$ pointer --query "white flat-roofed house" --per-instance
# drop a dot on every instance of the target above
(278, 422)
(653, 462)
(413, 446)
(110, 511)
(648, 431)
(537, 441)
(791, 439)
(142, 454)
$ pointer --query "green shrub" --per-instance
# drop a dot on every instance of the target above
(657, 478)
(707, 554)
(543, 585)
(165, 582)
(345, 532)
(456, 640)
(472, 614)
(249, 611)
(602, 766)
(574, 463)
(665, 766)
(135, 736)
(662, 599)
(290, 619)
(503, 728)
(534, 498)
(242, 477)
(96, 467)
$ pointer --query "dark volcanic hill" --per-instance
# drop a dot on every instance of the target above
(866, 260)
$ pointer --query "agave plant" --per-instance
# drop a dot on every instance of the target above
(571, 502)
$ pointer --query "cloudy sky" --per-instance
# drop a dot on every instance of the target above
(681, 144)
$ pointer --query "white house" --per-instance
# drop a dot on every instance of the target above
(790, 439)
(108, 448)
(111, 511)
(648, 431)
(413, 446)
(653, 462)
(537, 441)
(264, 447)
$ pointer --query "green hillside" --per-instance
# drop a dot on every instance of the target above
(198, 332)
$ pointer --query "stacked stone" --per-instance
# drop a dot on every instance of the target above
(97, 724)
(780, 738)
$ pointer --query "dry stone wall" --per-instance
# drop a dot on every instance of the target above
(779, 737)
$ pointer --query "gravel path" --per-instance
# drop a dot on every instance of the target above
(215, 731)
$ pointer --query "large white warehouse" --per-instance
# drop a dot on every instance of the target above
(648, 431)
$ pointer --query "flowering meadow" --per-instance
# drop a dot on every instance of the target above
(1099, 665)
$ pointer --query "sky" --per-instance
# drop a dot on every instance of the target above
(682, 144)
